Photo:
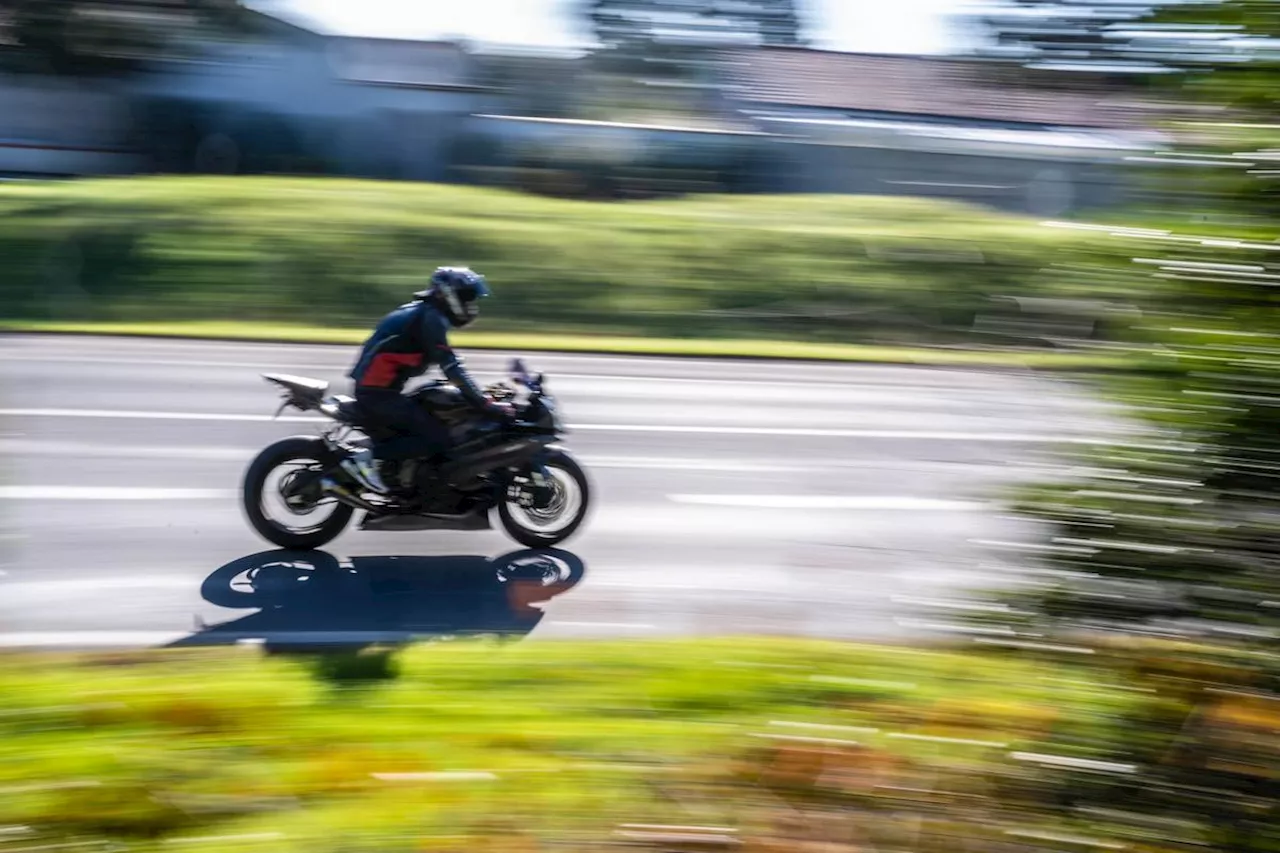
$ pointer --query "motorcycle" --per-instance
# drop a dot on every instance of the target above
(540, 492)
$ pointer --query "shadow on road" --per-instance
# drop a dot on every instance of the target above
(314, 601)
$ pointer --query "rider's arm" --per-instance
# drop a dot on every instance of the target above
(442, 354)
(457, 374)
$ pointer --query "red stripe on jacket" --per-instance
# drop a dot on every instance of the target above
(385, 367)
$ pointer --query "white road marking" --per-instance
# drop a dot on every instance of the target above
(797, 432)
(84, 449)
(733, 466)
(266, 366)
(122, 414)
(88, 639)
(109, 493)
(625, 626)
(30, 447)
(852, 502)
(107, 583)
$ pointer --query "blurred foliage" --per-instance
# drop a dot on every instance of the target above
(1176, 534)
(561, 745)
(88, 37)
(1119, 39)
(674, 746)
(816, 269)
(1243, 183)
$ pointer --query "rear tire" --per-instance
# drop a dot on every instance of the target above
(255, 481)
(533, 537)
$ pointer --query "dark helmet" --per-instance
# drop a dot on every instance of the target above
(456, 291)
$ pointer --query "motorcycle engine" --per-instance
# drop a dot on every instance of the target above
(435, 491)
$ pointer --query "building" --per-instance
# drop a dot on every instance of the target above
(299, 101)
(275, 98)
(955, 128)
(283, 98)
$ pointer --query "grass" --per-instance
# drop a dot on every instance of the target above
(830, 271)
(474, 746)
(698, 347)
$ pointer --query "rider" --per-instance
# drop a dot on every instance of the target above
(406, 344)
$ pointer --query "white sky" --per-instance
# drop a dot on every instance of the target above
(875, 26)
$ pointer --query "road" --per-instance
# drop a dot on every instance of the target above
(732, 497)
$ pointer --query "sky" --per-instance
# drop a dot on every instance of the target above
(871, 26)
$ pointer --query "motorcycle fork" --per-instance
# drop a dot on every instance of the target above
(538, 478)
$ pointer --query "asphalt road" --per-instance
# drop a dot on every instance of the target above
(731, 497)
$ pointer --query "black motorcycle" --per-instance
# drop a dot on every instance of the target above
(297, 494)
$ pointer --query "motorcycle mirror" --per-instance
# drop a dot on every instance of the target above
(517, 367)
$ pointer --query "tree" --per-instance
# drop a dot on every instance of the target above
(102, 36)
(1187, 526)
(1161, 555)
(1115, 37)
(674, 31)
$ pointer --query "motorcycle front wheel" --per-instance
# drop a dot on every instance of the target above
(556, 515)
(283, 499)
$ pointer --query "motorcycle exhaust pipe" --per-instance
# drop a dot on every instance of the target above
(344, 496)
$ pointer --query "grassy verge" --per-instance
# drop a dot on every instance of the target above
(695, 347)
(828, 269)
(476, 747)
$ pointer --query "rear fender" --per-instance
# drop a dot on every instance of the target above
(300, 392)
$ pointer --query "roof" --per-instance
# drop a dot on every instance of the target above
(913, 85)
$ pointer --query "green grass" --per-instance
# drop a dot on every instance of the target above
(561, 741)
(794, 350)
(822, 270)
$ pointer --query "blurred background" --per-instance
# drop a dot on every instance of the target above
(961, 530)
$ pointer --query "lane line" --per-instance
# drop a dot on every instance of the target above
(110, 493)
(77, 449)
(863, 502)
(343, 367)
(805, 432)
(686, 429)
(731, 465)
(88, 639)
(124, 414)
(624, 626)
(213, 637)
(105, 583)
(74, 449)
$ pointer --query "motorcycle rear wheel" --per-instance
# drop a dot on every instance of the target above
(303, 453)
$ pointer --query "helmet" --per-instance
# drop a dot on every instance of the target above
(456, 291)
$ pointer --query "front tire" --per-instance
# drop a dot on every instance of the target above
(299, 451)
(548, 527)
